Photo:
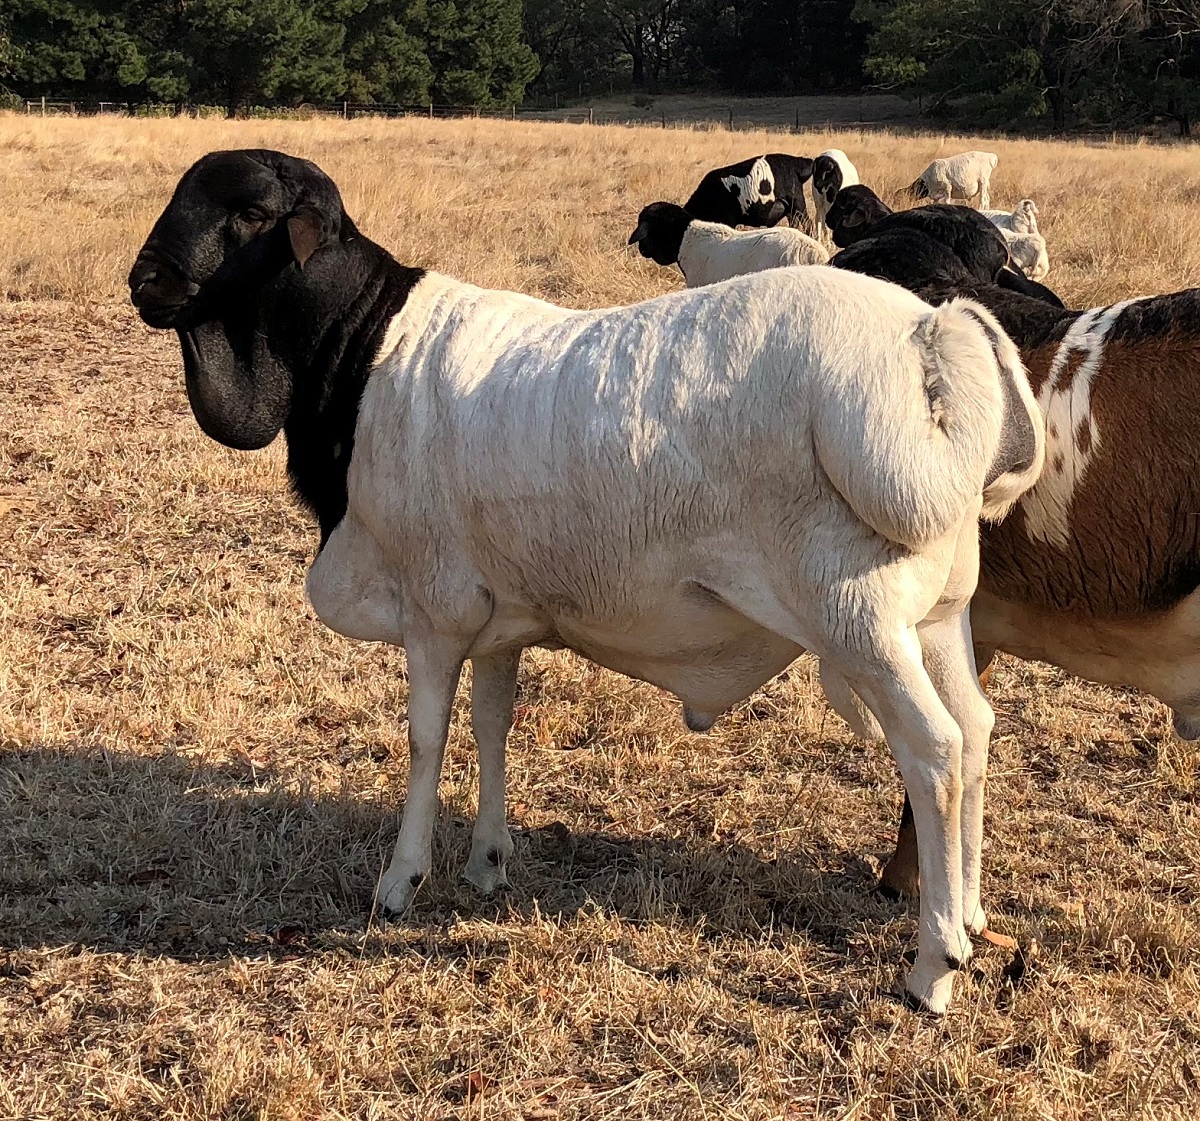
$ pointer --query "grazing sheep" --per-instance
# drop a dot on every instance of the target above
(1022, 219)
(964, 176)
(1097, 569)
(914, 247)
(707, 252)
(759, 191)
(690, 491)
(1028, 251)
(832, 170)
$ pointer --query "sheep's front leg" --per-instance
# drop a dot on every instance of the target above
(927, 745)
(433, 671)
(493, 687)
(950, 663)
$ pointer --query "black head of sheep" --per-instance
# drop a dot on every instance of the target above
(236, 221)
(854, 211)
(280, 306)
(660, 230)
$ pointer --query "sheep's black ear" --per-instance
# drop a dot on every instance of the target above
(856, 217)
(640, 234)
(307, 231)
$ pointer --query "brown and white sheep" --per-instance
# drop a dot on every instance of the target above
(1097, 568)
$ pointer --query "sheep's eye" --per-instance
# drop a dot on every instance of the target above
(254, 215)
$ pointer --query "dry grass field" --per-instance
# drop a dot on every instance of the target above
(200, 784)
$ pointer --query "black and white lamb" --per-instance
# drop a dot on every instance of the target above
(832, 170)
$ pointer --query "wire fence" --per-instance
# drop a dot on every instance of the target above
(729, 117)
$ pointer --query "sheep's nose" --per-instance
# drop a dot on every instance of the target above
(144, 273)
(153, 283)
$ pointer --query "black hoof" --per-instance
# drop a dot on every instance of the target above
(915, 1004)
(888, 892)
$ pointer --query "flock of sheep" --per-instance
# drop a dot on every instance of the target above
(695, 489)
(700, 236)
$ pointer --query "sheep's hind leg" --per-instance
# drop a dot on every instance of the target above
(927, 745)
(950, 662)
(433, 671)
(901, 875)
(493, 687)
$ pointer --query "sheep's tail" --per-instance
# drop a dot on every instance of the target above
(913, 456)
(917, 189)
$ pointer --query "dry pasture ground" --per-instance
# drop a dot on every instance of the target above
(199, 783)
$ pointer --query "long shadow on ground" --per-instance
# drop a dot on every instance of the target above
(132, 853)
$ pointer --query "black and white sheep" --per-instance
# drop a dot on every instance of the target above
(707, 252)
(759, 191)
(832, 170)
(690, 490)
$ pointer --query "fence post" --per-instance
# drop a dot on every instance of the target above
(591, 116)
(514, 112)
(345, 110)
(797, 128)
(431, 110)
(663, 114)
(731, 118)
(43, 105)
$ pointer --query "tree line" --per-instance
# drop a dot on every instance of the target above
(236, 53)
(1063, 63)
(1002, 63)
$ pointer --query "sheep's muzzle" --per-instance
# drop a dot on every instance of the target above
(158, 289)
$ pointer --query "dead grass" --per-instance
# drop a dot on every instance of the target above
(200, 783)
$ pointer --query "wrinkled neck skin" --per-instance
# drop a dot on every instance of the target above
(238, 390)
(296, 356)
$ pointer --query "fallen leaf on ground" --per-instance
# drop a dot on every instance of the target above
(1005, 941)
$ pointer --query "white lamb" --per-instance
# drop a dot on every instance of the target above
(707, 252)
(1028, 251)
(1022, 219)
(964, 176)
(690, 491)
